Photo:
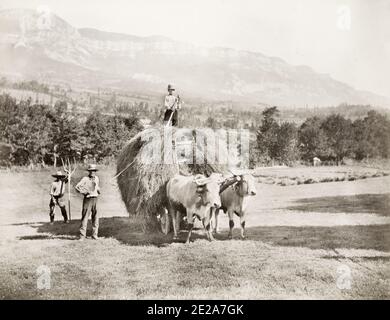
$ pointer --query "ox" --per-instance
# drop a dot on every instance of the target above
(235, 193)
(195, 195)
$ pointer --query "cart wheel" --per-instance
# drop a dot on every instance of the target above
(165, 223)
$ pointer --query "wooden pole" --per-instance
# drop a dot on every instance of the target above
(70, 176)
(69, 170)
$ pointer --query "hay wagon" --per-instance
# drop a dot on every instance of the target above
(150, 159)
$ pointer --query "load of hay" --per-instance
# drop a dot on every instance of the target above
(155, 155)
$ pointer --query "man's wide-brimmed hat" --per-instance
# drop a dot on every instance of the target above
(170, 87)
(58, 174)
(92, 167)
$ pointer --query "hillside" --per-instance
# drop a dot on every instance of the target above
(50, 49)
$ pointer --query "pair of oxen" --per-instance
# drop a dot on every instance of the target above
(203, 197)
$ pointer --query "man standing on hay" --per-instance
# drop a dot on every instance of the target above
(57, 192)
(89, 187)
(172, 105)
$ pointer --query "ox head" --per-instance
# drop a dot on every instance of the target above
(208, 190)
(245, 185)
(243, 182)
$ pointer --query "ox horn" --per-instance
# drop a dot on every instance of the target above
(201, 181)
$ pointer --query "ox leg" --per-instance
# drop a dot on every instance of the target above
(231, 223)
(173, 214)
(216, 227)
(242, 221)
(190, 226)
(178, 221)
(212, 215)
(206, 224)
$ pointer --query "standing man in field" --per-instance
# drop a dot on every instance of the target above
(172, 104)
(57, 191)
(89, 187)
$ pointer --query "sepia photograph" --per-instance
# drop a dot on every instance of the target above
(220, 150)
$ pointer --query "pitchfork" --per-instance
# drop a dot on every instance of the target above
(69, 169)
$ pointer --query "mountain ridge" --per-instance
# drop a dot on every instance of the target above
(34, 43)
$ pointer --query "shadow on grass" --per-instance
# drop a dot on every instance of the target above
(362, 203)
(23, 224)
(375, 237)
(123, 229)
(362, 258)
(314, 237)
(44, 237)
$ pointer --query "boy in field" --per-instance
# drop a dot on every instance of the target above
(57, 191)
(172, 105)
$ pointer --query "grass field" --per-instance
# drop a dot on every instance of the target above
(300, 238)
(286, 176)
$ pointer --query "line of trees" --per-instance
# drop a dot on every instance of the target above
(38, 133)
(332, 138)
(43, 134)
(32, 85)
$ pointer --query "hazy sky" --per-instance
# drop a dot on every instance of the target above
(348, 39)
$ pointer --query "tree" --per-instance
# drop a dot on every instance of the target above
(371, 136)
(267, 135)
(211, 123)
(28, 132)
(67, 139)
(121, 129)
(312, 139)
(3, 82)
(361, 145)
(338, 131)
(9, 115)
(380, 133)
(96, 132)
(60, 107)
(105, 135)
(287, 143)
(269, 118)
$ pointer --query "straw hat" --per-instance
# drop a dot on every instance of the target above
(92, 167)
(58, 174)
